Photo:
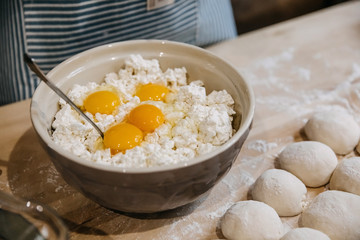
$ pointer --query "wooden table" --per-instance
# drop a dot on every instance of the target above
(297, 67)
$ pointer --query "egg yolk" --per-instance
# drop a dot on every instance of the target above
(103, 102)
(121, 137)
(152, 92)
(146, 117)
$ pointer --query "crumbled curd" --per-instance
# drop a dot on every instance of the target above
(195, 123)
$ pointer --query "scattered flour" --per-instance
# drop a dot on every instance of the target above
(288, 94)
(271, 63)
(355, 75)
(303, 73)
(261, 146)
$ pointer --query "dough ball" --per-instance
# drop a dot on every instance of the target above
(281, 190)
(251, 220)
(305, 234)
(335, 213)
(336, 129)
(312, 162)
(346, 176)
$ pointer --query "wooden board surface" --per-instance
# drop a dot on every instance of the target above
(296, 68)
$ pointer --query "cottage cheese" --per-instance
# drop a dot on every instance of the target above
(195, 123)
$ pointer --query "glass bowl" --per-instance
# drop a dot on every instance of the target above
(27, 220)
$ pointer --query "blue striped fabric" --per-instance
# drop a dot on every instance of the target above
(54, 30)
(215, 22)
(15, 82)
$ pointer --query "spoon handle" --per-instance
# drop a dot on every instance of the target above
(35, 68)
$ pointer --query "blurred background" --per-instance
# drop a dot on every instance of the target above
(253, 14)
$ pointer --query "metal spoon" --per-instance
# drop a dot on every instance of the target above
(35, 68)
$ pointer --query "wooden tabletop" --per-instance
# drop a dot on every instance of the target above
(307, 64)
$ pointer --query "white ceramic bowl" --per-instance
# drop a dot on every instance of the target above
(144, 190)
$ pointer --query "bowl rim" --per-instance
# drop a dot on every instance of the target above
(244, 125)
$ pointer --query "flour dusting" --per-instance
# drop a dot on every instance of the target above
(261, 146)
(355, 73)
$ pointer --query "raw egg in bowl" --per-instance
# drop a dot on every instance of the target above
(141, 189)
